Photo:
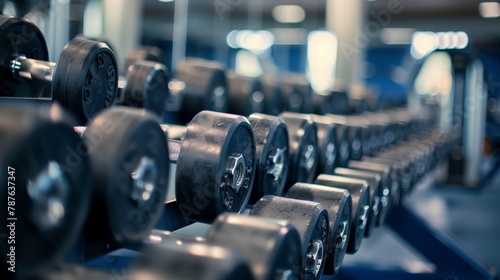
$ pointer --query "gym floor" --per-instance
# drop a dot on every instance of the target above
(469, 217)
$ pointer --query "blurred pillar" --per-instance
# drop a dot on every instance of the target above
(180, 32)
(122, 26)
(346, 19)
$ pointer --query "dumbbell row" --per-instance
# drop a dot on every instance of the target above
(140, 193)
(198, 84)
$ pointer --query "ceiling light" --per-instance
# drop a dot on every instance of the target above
(396, 36)
(489, 9)
(289, 13)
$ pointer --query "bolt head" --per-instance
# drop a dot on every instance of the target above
(236, 172)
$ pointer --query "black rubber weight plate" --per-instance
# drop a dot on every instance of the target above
(31, 138)
(311, 220)
(85, 79)
(271, 136)
(271, 247)
(147, 87)
(190, 262)
(201, 187)
(19, 37)
(338, 203)
(205, 87)
(120, 140)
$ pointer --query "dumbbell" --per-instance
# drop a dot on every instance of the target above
(129, 159)
(84, 80)
(303, 139)
(388, 136)
(375, 133)
(245, 94)
(101, 39)
(338, 203)
(376, 194)
(408, 160)
(46, 191)
(368, 134)
(353, 133)
(272, 154)
(419, 152)
(311, 220)
(297, 93)
(189, 262)
(145, 86)
(199, 85)
(162, 261)
(402, 169)
(272, 248)
(360, 196)
(390, 190)
(273, 100)
(215, 165)
(328, 144)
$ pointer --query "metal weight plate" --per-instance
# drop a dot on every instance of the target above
(389, 190)
(311, 220)
(353, 136)
(338, 203)
(374, 180)
(395, 177)
(19, 37)
(272, 248)
(297, 94)
(46, 188)
(408, 162)
(216, 166)
(327, 145)
(273, 100)
(344, 150)
(403, 175)
(204, 87)
(86, 78)
(245, 94)
(369, 134)
(413, 156)
(388, 131)
(272, 153)
(101, 39)
(303, 139)
(129, 157)
(360, 195)
(182, 261)
(147, 87)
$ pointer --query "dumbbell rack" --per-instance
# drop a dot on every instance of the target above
(450, 260)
